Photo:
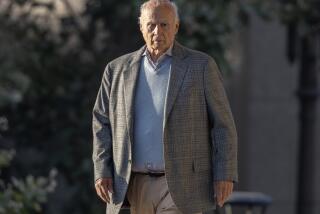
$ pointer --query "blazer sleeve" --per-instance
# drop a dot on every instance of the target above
(102, 137)
(223, 130)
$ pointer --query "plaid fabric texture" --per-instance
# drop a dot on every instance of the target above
(199, 136)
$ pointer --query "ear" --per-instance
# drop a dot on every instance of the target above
(177, 27)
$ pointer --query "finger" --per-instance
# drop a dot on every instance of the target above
(216, 192)
(104, 191)
(225, 192)
(229, 190)
(110, 186)
(219, 195)
(220, 201)
(98, 190)
(103, 195)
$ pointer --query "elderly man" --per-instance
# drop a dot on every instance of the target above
(164, 136)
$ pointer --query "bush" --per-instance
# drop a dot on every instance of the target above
(23, 196)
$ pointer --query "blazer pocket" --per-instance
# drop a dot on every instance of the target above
(201, 165)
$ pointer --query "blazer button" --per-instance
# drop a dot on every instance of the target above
(129, 161)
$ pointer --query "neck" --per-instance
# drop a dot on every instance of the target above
(155, 54)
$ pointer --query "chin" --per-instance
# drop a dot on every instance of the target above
(160, 48)
(157, 48)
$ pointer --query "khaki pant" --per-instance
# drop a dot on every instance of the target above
(150, 195)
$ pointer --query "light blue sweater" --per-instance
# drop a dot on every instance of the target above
(150, 99)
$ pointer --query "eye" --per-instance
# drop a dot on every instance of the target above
(164, 25)
(151, 26)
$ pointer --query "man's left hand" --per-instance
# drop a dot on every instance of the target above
(223, 190)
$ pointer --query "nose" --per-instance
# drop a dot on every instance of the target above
(157, 29)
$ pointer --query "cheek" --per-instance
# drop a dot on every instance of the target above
(147, 37)
(150, 38)
(170, 36)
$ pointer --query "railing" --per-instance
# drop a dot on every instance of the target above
(250, 201)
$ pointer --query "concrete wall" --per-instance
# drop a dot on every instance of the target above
(266, 110)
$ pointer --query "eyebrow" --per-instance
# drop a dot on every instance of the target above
(163, 21)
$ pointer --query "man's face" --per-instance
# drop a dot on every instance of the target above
(158, 27)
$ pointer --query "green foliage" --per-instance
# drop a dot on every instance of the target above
(303, 12)
(23, 196)
(50, 70)
(209, 26)
(5, 158)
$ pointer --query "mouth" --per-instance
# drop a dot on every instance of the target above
(157, 41)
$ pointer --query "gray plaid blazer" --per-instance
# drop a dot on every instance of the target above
(199, 137)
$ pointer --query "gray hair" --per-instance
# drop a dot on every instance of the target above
(155, 3)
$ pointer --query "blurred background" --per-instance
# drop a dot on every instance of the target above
(52, 56)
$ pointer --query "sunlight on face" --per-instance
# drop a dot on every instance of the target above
(159, 27)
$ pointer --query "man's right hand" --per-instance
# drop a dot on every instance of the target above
(103, 187)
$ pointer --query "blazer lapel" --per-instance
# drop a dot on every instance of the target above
(130, 76)
(178, 70)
